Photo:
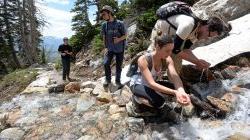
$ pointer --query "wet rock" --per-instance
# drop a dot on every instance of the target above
(222, 105)
(136, 124)
(113, 109)
(208, 109)
(84, 102)
(230, 72)
(88, 84)
(124, 97)
(56, 88)
(190, 74)
(98, 89)
(87, 137)
(12, 134)
(238, 136)
(247, 86)
(188, 110)
(72, 87)
(3, 121)
(230, 97)
(104, 97)
(236, 89)
(86, 90)
(214, 88)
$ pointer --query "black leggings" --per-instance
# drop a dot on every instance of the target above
(155, 99)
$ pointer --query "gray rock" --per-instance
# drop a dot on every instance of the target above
(136, 124)
(3, 118)
(84, 102)
(12, 134)
(98, 89)
(232, 9)
(87, 137)
(124, 97)
(86, 90)
(88, 84)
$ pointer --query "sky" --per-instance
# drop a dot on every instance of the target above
(57, 14)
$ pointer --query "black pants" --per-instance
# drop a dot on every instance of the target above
(107, 62)
(66, 68)
(155, 99)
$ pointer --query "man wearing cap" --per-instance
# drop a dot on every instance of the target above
(66, 51)
(114, 37)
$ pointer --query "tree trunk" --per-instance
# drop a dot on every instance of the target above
(10, 39)
(33, 31)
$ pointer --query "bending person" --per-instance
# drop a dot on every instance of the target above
(145, 84)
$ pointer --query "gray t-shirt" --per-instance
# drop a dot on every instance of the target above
(109, 31)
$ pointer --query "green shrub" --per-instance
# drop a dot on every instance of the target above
(141, 45)
(58, 64)
(97, 45)
(147, 20)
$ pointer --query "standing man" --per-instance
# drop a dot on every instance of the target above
(66, 51)
(114, 37)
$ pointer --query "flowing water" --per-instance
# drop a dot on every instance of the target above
(195, 128)
(66, 116)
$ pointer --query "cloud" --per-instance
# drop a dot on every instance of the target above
(63, 2)
(59, 22)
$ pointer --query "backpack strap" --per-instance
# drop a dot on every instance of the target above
(149, 60)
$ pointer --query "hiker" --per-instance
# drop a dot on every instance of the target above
(147, 91)
(114, 37)
(187, 29)
(66, 51)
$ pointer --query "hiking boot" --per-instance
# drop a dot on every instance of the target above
(139, 110)
(119, 84)
(69, 79)
(106, 83)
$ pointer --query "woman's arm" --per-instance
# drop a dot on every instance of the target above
(173, 76)
(181, 95)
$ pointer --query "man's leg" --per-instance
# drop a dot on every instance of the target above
(68, 70)
(119, 61)
(64, 68)
(107, 62)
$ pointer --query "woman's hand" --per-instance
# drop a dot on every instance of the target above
(182, 97)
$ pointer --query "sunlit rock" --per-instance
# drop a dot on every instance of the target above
(72, 87)
(12, 133)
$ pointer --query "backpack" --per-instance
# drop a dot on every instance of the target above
(133, 68)
(175, 8)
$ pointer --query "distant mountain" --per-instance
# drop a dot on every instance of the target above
(51, 46)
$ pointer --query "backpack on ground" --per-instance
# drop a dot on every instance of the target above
(175, 8)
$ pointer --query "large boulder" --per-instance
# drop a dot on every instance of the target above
(232, 9)
(12, 134)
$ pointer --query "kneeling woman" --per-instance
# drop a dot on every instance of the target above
(145, 86)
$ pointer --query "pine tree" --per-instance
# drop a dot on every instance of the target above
(84, 30)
